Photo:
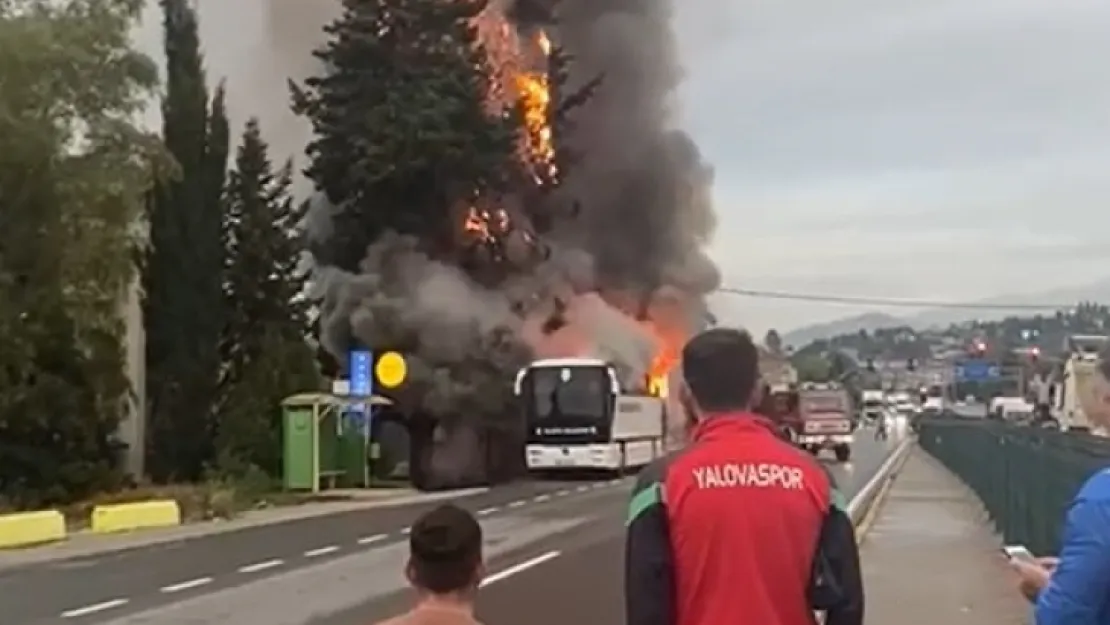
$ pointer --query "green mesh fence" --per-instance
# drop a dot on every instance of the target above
(1024, 476)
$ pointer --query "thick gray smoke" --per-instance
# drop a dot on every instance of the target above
(645, 216)
(644, 190)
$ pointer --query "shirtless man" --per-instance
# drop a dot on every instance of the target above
(445, 568)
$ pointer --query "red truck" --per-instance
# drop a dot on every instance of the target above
(814, 416)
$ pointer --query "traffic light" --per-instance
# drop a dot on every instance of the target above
(1034, 353)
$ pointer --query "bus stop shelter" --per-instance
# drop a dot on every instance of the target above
(326, 440)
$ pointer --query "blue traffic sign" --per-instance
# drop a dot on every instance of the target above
(360, 369)
(977, 371)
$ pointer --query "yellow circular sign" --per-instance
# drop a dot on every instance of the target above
(391, 370)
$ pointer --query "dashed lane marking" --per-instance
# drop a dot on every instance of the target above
(189, 585)
(264, 565)
(94, 608)
(261, 566)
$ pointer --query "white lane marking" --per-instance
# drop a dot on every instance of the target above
(516, 504)
(582, 489)
(94, 608)
(322, 551)
(406, 531)
(369, 540)
(615, 482)
(519, 567)
(563, 493)
(487, 511)
(599, 485)
(260, 566)
(193, 583)
(541, 498)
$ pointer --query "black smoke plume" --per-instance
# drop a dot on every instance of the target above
(630, 218)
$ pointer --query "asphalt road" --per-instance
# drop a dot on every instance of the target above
(554, 552)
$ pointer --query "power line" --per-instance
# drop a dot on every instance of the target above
(886, 301)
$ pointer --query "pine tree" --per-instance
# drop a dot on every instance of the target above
(182, 274)
(264, 347)
(403, 130)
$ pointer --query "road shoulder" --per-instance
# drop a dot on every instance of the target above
(86, 544)
(931, 557)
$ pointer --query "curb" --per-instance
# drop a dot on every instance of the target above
(86, 542)
(126, 517)
(26, 529)
(864, 506)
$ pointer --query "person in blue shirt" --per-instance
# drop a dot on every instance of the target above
(1074, 588)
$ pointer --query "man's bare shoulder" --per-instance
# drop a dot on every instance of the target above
(421, 617)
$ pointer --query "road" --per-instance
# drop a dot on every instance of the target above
(554, 552)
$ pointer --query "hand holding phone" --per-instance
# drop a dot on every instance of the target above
(1019, 553)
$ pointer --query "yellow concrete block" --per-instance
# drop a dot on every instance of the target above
(125, 517)
(31, 528)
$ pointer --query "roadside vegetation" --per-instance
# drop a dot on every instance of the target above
(192, 224)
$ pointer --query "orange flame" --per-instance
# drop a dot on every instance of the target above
(534, 90)
(487, 225)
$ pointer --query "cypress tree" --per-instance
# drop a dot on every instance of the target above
(183, 270)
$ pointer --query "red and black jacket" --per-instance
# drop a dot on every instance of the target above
(725, 532)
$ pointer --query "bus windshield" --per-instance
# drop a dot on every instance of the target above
(576, 392)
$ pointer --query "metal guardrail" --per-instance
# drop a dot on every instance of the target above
(862, 502)
(1025, 477)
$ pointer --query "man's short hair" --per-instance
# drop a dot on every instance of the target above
(445, 550)
(721, 369)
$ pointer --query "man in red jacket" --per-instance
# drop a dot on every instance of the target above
(740, 527)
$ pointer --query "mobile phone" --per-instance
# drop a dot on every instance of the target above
(1019, 552)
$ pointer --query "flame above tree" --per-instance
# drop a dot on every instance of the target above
(523, 79)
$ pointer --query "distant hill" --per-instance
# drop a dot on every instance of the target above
(1064, 296)
(1055, 298)
(867, 321)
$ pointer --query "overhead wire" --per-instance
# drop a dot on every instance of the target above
(889, 301)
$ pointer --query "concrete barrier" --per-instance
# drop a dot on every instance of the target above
(31, 528)
(126, 517)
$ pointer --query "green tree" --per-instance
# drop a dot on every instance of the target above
(265, 350)
(812, 368)
(72, 175)
(403, 131)
(183, 269)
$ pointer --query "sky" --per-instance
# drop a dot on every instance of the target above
(946, 150)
